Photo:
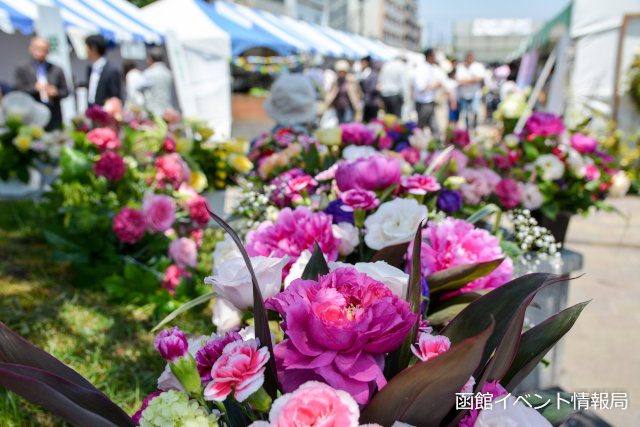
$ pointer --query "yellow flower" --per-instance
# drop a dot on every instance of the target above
(237, 145)
(240, 163)
(22, 142)
(389, 120)
(205, 132)
(329, 136)
(37, 132)
(184, 145)
(198, 181)
(454, 182)
(221, 174)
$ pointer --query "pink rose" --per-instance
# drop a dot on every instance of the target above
(169, 145)
(104, 138)
(583, 143)
(360, 199)
(591, 172)
(184, 252)
(110, 165)
(129, 225)
(420, 184)
(198, 210)
(385, 142)
(196, 235)
(239, 369)
(171, 116)
(373, 173)
(508, 193)
(479, 183)
(315, 404)
(172, 168)
(429, 346)
(172, 276)
(160, 211)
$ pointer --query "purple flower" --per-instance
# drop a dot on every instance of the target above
(136, 417)
(357, 133)
(426, 293)
(411, 125)
(373, 173)
(449, 201)
(97, 114)
(507, 192)
(171, 344)
(338, 210)
(210, 352)
(401, 146)
(544, 124)
(583, 143)
(393, 134)
(360, 199)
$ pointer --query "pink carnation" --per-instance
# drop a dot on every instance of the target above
(591, 172)
(314, 404)
(173, 168)
(160, 211)
(494, 389)
(169, 145)
(104, 138)
(282, 196)
(172, 276)
(372, 173)
(456, 242)
(420, 184)
(293, 232)
(479, 183)
(211, 352)
(198, 210)
(508, 193)
(239, 370)
(429, 346)
(196, 235)
(184, 252)
(129, 225)
(110, 165)
(339, 330)
(385, 142)
(301, 183)
(583, 143)
(411, 155)
(360, 199)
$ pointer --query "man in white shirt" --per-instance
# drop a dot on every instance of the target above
(470, 75)
(104, 79)
(393, 84)
(427, 80)
(157, 84)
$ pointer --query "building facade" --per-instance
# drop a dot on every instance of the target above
(395, 22)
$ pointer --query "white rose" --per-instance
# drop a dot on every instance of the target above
(353, 152)
(297, 268)
(249, 333)
(376, 127)
(419, 140)
(530, 196)
(168, 381)
(225, 315)
(225, 250)
(233, 281)
(349, 237)
(552, 167)
(394, 222)
(575, 161)
(620, 184)
(395, 279)
(510, 413)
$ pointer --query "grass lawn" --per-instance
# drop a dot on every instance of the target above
(107, 343)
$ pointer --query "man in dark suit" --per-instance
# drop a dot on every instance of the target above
(103, 78)
(42, 80)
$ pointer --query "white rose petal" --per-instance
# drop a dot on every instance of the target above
(552, 167)
(394, 222)
(225, 316)
(249, 333)
(224, 251)
(396, 279)
(620, 184)
(353, 152)
(530, 196)
(297, 268)
(233, 281)
(349, 237)
(510, 413)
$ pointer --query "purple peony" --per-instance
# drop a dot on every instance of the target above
(373, 173)
(544, 124)
(171, 344)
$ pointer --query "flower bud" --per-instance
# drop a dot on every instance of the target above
(260, 400)
(454, 182)
(171, 344)
(186, 371)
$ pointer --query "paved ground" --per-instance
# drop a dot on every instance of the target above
(602, 351)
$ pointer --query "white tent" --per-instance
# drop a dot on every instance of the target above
(199, 52)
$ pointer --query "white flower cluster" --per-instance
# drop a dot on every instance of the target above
(252, 200)
(173, 408)
(531, 237)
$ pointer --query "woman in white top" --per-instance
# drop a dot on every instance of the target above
(133, 80)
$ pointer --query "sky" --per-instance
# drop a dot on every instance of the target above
(439, 15)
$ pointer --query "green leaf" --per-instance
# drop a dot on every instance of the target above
(530, 151)
(459, 276)
(312, 160)
(537, 341)
(194, 302)
(483, 212)
(393, 255)
(553, 409)
(449, 308)
(550, 210)
(317, 265)
(441, 174)
(443, 154)
(73, 163)
(57, 239)
(384, 195)
(423, 394)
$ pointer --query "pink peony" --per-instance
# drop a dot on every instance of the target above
(429, 346)
(136, 417)
(198, 210)
(420, 184)
(172, 276)
(373, 173)
(357, 133)
(314, 404)
(104, 138)
(239, 370)
(479, 183)
(211, 352)
(184, 252)
(494, 389)
(338, 331)
(583, 143)
(508, 193)
(129, 225)
(360, 199)
(110, 165)
(293, 232)
(591, 172)
(172, 168)
(411, 155)
(544, 124)
(456, 242)
(160, 211)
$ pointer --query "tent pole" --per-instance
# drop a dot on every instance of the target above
(546, 70)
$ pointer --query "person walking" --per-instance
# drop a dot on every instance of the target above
(470, 75)
(393, 84)
(42, 80)
(132, 81)
(103, 77)
(345, 94)
(451, 89)
(371, 94)
(427, 80)
(157, 83)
